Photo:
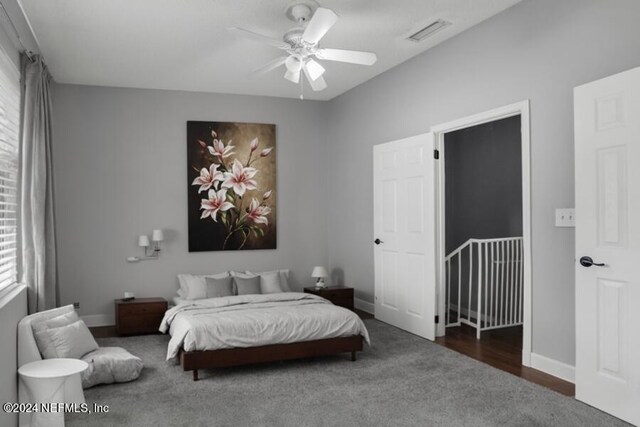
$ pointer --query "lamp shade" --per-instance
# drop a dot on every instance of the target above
(319, 271)
(157, 236)
(143, 241)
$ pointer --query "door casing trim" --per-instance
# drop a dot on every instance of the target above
(439, 131)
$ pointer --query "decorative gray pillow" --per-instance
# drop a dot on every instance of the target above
(270, 282)
(222, 287)
(247, 286)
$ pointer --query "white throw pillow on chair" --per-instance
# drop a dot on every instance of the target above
(71, 341)
(43, 338)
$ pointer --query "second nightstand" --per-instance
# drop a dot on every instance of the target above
(139, 316)
(338, 295)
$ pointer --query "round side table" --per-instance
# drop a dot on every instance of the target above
(45, 382)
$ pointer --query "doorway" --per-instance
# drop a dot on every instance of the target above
(483, 233)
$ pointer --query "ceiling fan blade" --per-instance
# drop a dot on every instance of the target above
(271, 65)
(314, 70)
(350, 56)
(317, 84)
(258, 37)
(292, 76)
(320, 23)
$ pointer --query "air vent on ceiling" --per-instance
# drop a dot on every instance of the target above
(429, 30)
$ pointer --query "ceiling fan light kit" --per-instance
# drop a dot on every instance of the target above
(293, 63)
(314, 69)
(301, 45)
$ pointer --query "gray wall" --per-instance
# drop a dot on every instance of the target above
(537, 50)
(119, 169)
(13, 307)
(483, 182)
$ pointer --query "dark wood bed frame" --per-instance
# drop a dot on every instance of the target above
(194, 360)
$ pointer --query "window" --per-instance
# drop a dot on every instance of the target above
(9, 128)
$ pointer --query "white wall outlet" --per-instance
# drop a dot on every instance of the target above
(566, 217)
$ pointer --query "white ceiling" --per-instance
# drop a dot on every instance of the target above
(184, 44)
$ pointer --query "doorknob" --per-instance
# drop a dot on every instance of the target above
(587, 261)
(378, 241)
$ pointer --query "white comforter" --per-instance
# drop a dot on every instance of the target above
(256, 320)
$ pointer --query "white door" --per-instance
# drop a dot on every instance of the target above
(404, 226)
(607, 154)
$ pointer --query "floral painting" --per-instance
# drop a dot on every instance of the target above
(232, 186)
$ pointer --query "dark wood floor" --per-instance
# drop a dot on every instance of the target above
(502, 349)
(103, 331)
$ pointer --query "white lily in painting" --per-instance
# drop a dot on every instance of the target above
(217, 202)
(258, 213)
(208, 177)
(240, 178)
(219, 150)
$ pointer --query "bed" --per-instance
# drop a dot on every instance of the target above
(244, 329)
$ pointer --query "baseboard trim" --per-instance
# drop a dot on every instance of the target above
(553, 367)
(99, 320)
(363, 305)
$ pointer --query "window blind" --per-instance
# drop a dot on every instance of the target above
(9, 129)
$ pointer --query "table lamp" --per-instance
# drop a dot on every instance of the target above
(319, 273)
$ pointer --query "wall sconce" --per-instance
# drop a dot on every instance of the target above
(150, 251)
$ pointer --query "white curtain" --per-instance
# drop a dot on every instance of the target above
(37, 267)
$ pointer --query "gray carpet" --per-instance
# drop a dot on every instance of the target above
(401, 380)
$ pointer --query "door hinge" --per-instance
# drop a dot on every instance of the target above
(436, 154)
(437, 319)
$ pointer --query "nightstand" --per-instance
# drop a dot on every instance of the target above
(338, 295)
(139, 315)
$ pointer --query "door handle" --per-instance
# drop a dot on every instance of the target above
(587, 261)
(378, 241)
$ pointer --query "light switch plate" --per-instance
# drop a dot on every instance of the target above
(566, 217)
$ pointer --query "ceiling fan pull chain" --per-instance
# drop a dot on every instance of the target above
(301, 88)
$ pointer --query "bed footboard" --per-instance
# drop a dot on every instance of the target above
(209, 359)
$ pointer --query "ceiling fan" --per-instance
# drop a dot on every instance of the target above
(301, 45)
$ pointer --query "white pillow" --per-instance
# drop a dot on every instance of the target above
(284, 281)
(42, 337)
(72, 341)
(195, 287)
(284, 277)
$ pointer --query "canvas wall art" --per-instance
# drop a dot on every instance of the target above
(231, 186)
